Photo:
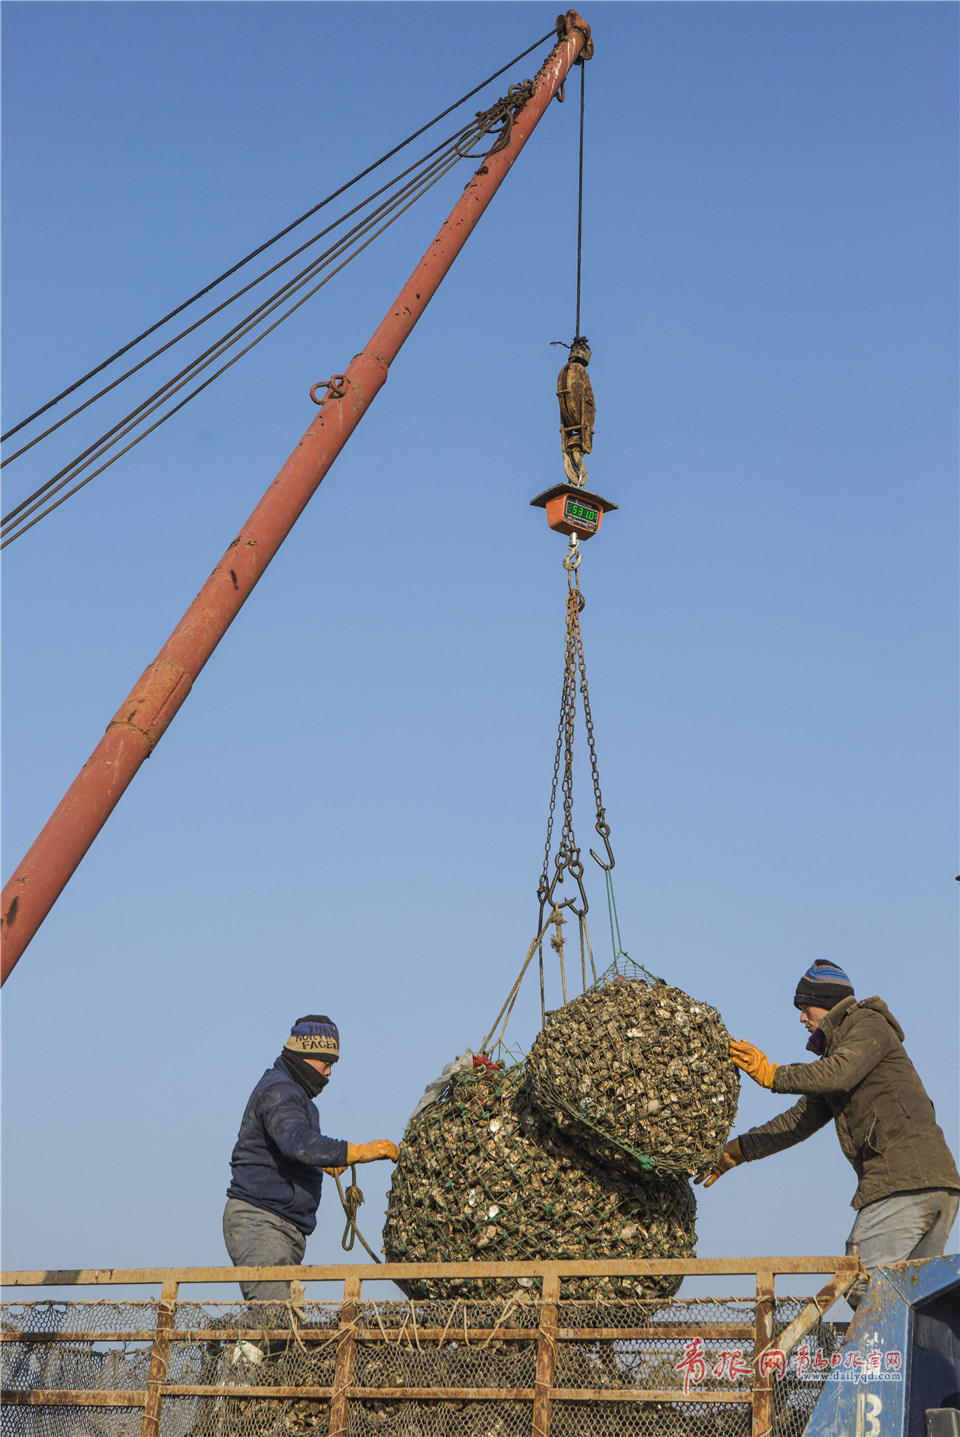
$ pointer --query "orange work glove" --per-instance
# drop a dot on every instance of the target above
(754, 1063)
(372, 1152)
(731, 1157)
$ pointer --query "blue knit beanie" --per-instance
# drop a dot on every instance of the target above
(315, 1036)
(822, 986)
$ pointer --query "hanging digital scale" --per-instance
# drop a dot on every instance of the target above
(573, 511)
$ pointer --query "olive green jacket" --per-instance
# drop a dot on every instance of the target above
(865, 1082)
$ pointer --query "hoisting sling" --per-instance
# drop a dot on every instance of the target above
(573, 511)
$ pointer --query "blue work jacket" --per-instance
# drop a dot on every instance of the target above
(280, 1151)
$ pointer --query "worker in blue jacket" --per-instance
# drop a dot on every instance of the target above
(279, 1161)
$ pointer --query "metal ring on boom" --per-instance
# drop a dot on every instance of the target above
(335, 388)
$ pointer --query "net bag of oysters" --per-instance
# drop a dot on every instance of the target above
(487, 1175)
(639, 1068)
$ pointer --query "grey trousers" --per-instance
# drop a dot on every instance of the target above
(256, 1238)
(900, 1228)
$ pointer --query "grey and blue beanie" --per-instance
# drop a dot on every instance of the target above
(822, 986)
(315, 1036)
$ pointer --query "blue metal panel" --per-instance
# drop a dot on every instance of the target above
(935, 1369)
(902, 1354)
(918, 1281)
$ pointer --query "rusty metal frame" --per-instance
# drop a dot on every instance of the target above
(549, 1333)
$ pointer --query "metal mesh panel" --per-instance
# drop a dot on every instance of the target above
(649, 1362)
(251, 1417)
(68, 1368)
(72, 1421)
(48, 1316)
(498, 1364)
(655, 1419)
(453, 1315)
(610, 1349)
(795, 1396)
(443, 1419)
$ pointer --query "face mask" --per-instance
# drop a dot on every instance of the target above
(817, 1043)
(309, 1079)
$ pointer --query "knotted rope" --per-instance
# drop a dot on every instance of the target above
(351, 1203)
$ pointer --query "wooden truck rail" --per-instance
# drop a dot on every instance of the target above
(566, 1344)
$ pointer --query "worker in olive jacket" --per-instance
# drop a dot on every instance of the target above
(908, 1185)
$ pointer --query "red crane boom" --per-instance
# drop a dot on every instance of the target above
(153, 701)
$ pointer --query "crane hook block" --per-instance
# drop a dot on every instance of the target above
(577, 411)
(573, 510)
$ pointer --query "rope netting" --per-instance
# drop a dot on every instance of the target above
(485, 1174)
(641, 1067)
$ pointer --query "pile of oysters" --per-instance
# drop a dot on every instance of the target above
(582, 1151)
(642, 1066)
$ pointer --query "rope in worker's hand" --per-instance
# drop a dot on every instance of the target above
(351, 1203)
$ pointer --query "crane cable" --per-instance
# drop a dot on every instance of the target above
(280, 235)
(583, 72)
(567, 860)
(14, 523)
(572, 563)
(433, 167)
(236, 295)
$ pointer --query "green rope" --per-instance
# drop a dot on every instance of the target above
(616, 942)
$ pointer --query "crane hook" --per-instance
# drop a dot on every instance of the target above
(578, 411)
(603, 828)
(572, 562)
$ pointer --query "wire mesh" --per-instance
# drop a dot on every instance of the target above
(415, 1367)
(72, 1421)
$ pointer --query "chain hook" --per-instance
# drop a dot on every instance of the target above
(567, 860)
(572, 561)
(574, 467)
(603, 828)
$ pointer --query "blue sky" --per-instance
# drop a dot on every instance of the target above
(348, 814)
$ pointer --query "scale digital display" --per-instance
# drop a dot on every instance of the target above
(573, 511)
(576, 512)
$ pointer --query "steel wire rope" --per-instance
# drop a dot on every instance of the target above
(420, 184)
(130, 421)
(583, 71)
(454, 151)
(280, 235)
(446, 146)
(153, 402)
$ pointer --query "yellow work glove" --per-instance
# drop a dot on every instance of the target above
(731, 1157)
(372, 1152)
(754, 1063)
